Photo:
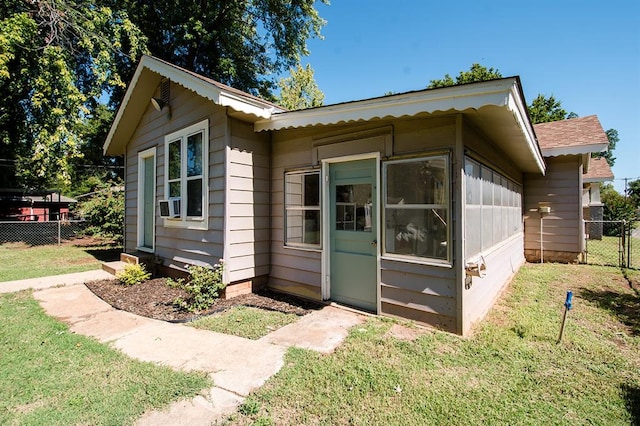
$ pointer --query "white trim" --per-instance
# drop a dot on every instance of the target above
(574, 150)
(326, 215)
(143, 155)
(183, 221)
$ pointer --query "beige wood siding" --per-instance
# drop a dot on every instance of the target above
(422, 292)
(561, 189)
(179, 246)
(248, 186)
(480, 148)
(481, 294)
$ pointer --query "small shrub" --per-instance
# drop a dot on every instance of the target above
(133, 274)
(203, 286)
(250, 407)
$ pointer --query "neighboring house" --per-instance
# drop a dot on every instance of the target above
(34, 206)
(407, 205)
(592, 207)
(554, 218)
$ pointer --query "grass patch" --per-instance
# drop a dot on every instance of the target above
(511, 371)
(19, 261)
(245, 321)
(51, 376)
(607, 252)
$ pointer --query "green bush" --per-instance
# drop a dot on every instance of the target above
(104, 213)
(203, 286)
(133, 274)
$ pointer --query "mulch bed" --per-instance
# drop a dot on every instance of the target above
(154, 299)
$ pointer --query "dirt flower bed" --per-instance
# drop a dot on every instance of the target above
(154, 299)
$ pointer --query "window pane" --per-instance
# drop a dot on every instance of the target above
(418, 182)
(303, 226)
(302, 189)
(194, 155)
(487, 187)
(417, 232)
(194, 197)
(473, 230)
(174, 189)
(473, 183)
(174, 160)
(353, 207)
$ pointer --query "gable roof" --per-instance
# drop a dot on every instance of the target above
(599, 171)
(143, 85)
(574, 136)
(495, 107)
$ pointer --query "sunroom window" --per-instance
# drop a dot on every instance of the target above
(416, 208)
(302, 209)
(185, 173)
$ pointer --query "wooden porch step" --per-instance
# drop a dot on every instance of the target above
(114, 268)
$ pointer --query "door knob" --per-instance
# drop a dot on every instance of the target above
(374, 243)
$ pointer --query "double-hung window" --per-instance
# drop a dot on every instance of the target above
(302, 209)
(186, 153)
(416, 208)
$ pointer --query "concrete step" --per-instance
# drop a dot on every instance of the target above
(114, 267)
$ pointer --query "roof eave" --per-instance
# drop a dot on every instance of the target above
(248, 106)
(574, 150)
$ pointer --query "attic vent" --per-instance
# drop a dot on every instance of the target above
(164, 90)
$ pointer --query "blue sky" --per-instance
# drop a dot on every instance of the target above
(584, 53)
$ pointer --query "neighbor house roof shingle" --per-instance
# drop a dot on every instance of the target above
(574, 136)
(599, 171)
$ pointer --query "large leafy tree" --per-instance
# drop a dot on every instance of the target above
(612, 136)
(58, 59)
(616, 206)
(243, 43)
(544, 110)
(633, 193)
(299, 90)
(476, 73)
(63, 61)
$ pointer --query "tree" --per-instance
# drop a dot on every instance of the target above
(612, 136)
(299, 90)
(57, 60)
(242, 43)
(544, 110)
(633, 193)
(476, 73)
(616, 206)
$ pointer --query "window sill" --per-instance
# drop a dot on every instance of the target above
(186, 224)
(417, 260)
(314, 249)
(145, 249)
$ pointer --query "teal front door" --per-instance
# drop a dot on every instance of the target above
(353, 233)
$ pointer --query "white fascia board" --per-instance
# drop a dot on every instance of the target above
(597, 179)
(519, 109)
(210, 91)
(123, 105)
(454, 98)
(575, 150)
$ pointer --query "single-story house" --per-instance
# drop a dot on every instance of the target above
(553, 216)
(34, 206)
(406, 205)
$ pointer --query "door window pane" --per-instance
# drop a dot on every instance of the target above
(353, 207)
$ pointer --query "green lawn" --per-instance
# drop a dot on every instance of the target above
(607, 252)
(511, 371)
(53, 377)
(19, 261)
(243, 321)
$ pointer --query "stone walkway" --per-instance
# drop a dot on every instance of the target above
(237, 366)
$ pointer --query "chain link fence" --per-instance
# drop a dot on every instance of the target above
(611, 243)
(41, 233)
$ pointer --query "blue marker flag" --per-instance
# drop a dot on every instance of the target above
(567, 302)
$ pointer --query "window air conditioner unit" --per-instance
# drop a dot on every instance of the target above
(170, 208)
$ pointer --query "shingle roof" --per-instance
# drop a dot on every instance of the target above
(573, 136)
(599, 171)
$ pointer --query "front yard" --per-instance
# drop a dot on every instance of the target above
(510, 372)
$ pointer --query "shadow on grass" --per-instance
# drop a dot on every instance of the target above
(105, 254)
(625, 306)
(631, 395)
